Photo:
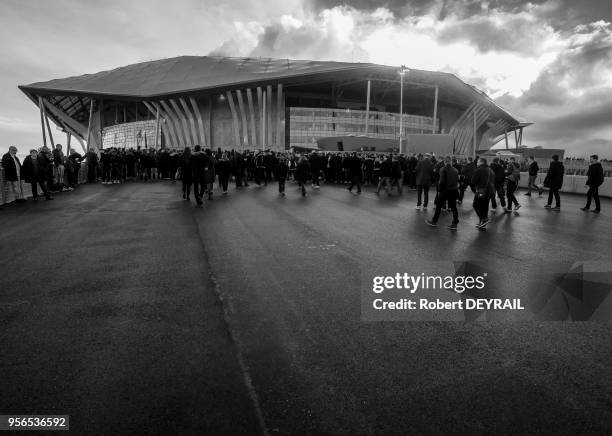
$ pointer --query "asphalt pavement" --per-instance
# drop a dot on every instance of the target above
(134, 311)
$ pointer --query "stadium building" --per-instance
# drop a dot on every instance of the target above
(255, 103)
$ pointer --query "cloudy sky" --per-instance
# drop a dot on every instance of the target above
(549, 62)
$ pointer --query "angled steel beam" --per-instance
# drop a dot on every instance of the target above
(194, 132)
(202, 131)
(245, 128)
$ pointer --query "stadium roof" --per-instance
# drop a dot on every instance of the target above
(189, 73)
(207, 74)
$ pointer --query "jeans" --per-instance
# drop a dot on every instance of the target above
(224, 181)
(43, 186)
(531, 184)
(355, 180)
(593, 194)
(444, 197)
(422, 189)
(555, 193)
(384, 181)
(511, 189)
(481, 206)
(186, 188)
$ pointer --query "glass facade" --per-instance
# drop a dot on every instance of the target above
(131, 135)
(306, 125)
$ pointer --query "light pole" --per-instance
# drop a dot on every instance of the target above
(403, 70)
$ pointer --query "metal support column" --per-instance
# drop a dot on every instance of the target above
(367, 120)
(435, 113)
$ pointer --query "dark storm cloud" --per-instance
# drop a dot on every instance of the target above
(561, 14)
(488, 35)
(400, 8)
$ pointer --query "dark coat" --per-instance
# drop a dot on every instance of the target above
(32, 172)
(595, 175)
(186, 171)
(45, 165)
(449, 178)
(198, 162)
(483, 179)
(554, 177)
(354, 166)
(281, 170)
(424, 172)
(468, 170)
(386, 169)
(224, 168)
(10, 168)
(302, 171)
(500, 174)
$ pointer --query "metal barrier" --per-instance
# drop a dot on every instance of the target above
(7, 197)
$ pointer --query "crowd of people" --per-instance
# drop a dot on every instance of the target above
(198, 170)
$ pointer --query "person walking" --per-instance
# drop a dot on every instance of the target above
(282, 170)
(595, 178)
(302, 172)
(482, 181)
(386, 171)
(554, 181)
(224, 170)
(197, 163)
(354, 168)
(468, 173)
(513, 176)
(448, 192)
(209, 173)
(498, 184)
(533, 175)
(186, 172)
(424, 172)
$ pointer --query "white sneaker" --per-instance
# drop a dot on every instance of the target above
(418, 208)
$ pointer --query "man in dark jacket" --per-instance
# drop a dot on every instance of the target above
(198, 163)
(482, 181)
(498, 184)
(533, 175)
(468, 173)
(354, 169)
(92, 165)
(281, 172)
(424, 172)
(448, 191)
(12, 173)
(386, 171)
(316, 165)
(224, 171)
(554, 181)
(35, 172)
(302, 172)
(260, 169)
(595, 178)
